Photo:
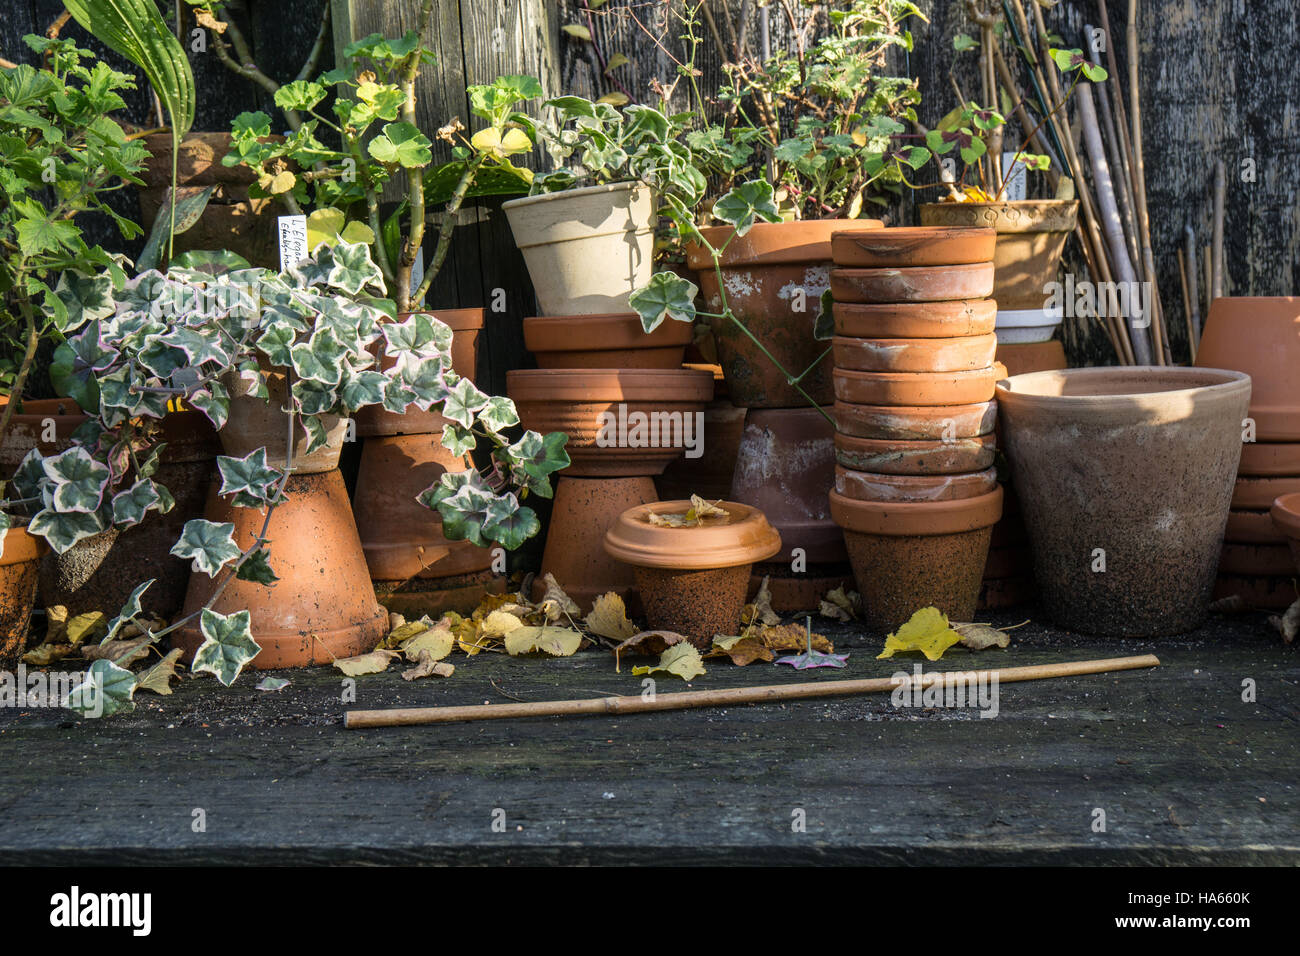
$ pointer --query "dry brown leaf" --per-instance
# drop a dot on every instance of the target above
(840, 605)
(979, 637)
(205, 19)
(428, 666)
(555, 602)
(159, 677)
(794, 637)
(1288, 625)
(741, 648)
(121, 653)
(56, 627)
(608, 618)
(760, 611)
(47, 654)
(699, 509)
(375, 662)
(647, 644)
(1232, 604)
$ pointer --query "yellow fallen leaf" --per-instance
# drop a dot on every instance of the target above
(574, 30)
(608, 618)
(556, 641)
(436, 642)
(699, 510)
(927, 631)
(499, 624)
(406, 631)
(159, 677)
(46, 654)
(681, 660)
(375, 662)
(616, 98)
(56, 624)
(86, 627)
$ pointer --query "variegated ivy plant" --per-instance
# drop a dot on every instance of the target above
(189, 336)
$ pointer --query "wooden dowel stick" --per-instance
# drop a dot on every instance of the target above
(406, 716)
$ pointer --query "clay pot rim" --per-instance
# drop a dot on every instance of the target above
(601, 332)
(1042, 211)
(920, 411)
(670, 385)
(911, 378)
(746, 540)
(918, 482)
(938, 341)
(853, 442)
(1017, 390)
(1285, 512)
(458, 320)
(771, 243)
(27, 402)
(917, 518)
(928, 245)
(21, 546)
(871, 272)
(620, 186)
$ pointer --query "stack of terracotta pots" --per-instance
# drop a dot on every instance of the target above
(629, 408)
(773, 278)
(415, 568)
(915, 489)
(1261, 337)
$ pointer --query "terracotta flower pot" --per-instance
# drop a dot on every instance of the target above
(915, 320)
(1269, 459)
(18, 571)
(909, 246)
(1256, 494)
(1252, 527)
(256, 423)
(914, 355)
(1261, 337)
(620, 422)
(1267, 593)
(98, 573)
(774, 277)
(1032, 357)
(917, 284)
(323, 605)
(586, 249)
(466, 325)
(784, 467)
(892, 457)
(916, 423)
(1031, 237)
(871, 486)
(1133, 466)
(916, 388)
(708, 476)
(43, 423)
(917, 554)
(693, 580)
(1257, 560)
(1285, 513)
(605, 341)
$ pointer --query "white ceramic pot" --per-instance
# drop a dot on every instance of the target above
(586, 249)
(1026, 326)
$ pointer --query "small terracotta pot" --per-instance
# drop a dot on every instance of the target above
(616, 340)
(1259, 336)
(1133, 465)
(708, 476)
(871, 486)
(915, 423)
(914, 355)
(1285, 512)
(1268, 593)
(466, 326)
(909, 246)
(1256, 494)
(773, 277)
(28, 429)
(917, 284)
(891, 457)
(693, 580)
(323, 605)
(915, 320)
(585, 508)
(620, 422)
(784, 466)
(1269, 459)
(18, 572)
(916, 388)
(1031, 237)
(1252, 527)
(1257, 560)
(256, 423)
(914, 555)
(1020, 359)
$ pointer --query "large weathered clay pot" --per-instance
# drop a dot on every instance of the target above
(232, 220)
(1133, 467)
(916, 388)
(908, 246)
(46, 424)
(1031, 237)
(914, 355)
(586, 249)
(466, 325)
(917, 284)
(605, 341)
(1259, 335)
(98, 573)
(894, 457)
(620, 422)
(323, 605)
(915, 320)
(20, 554)
(773, 278)
(917, 554)
(693, 580)
(872, 486)
(916, 422)
(708, 476)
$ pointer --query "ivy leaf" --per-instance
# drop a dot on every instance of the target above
(320, 358)
(257, 568)
(462, 402)
(86, 297)
(106, 690)
(402, 144)
(747, 203)
(62, 531)
(159, 677)
(353, 269)
(79, 480)
(129, 612)
(250, 479)
(926, 631)
(210, 545)
(227, 646)
(459, 441)
(499, 414)
(538, 457)
(130, 506)
(666, 296)
(509, 523)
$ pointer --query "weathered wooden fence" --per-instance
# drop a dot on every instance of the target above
(1218, 83)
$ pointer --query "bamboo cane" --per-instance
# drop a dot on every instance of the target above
(1187, 306)
(1123, 181)
(1220, 191)
(406, 716)
(1193, 284)
(1139, 185)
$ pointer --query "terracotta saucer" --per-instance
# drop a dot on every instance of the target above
(915, 355)
(872, 486)
(1257, 494)
(742, 537)
(916, 388)
(917, 284)
(894, 457)
(907, 246)
(1269, 459)
(915, 423)
(915, 320)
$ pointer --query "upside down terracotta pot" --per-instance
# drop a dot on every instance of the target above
(916, 422)
(773, 278)
(914, 355)
(693, 580)
(1031, 235)
(914, 284)
(1257, 560)
(1266, 593)
(1259, 335)
(255, 423)
(1124, 477)
(916, 388)
(915, 320)
(909, 246)
(911, 555)
(605, 341)
(323, 605)
(872, 486)
(20, 554)
(895, 457)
